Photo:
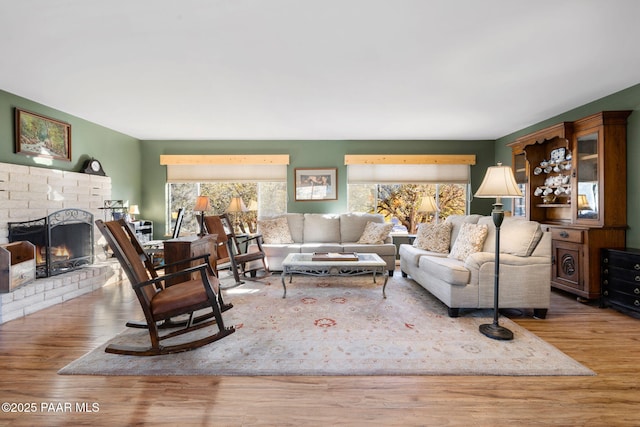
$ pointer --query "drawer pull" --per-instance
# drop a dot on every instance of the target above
(605, 293)
(565, 234)
(636, 291)
(636, 303)
(606, 271)
(605, 282)
(637, 278)
(637, 266)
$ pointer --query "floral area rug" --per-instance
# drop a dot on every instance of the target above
(342, 326)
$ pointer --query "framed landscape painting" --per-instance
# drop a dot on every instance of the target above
(316, 184)
(41, 136)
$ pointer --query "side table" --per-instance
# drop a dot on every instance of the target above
(187, 247)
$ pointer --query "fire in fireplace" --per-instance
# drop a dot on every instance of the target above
(63, 240)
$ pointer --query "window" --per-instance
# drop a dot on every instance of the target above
(400, 203)
(395, 185)
(259, 180)
(260, 199)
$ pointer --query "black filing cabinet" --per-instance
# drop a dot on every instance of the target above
(620, 277)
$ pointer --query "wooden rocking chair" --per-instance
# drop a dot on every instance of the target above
(229, 248)
(161, 303)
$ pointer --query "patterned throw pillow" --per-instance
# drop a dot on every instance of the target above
(470, 240)
(434, 237)
(275, 231)
(375, 233)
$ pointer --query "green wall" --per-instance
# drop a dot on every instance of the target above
(119, 153)
(137, 176)
(302, 154)
(628, 99)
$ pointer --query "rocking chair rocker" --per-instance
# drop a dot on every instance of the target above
(160, 303)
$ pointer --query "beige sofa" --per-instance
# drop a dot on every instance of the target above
(323, 233)
(525, 267)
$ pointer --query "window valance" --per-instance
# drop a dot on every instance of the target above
(226, 168)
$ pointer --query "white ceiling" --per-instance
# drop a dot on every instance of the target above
(318, 69)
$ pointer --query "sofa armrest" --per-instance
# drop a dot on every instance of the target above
(475, 260)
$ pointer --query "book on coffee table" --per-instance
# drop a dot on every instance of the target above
(334, 256)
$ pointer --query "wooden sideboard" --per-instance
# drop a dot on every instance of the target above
(574, 179)
(187, 247)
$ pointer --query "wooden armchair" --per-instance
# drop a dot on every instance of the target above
(161, 304)
(230, 248)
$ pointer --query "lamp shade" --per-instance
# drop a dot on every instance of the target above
(134, 210)
(202, 204)
(583, 203)
(236, 205)
(428, 204)
(499, 182)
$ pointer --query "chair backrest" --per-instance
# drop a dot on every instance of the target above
(229, 229)
(176, 229)
(214, 225)
(121, 239)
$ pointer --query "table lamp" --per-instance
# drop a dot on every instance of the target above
(133, 211)
(202, 205)
(236, 207)
(427, 205)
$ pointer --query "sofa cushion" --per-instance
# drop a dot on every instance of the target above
(446, 269)
(312, 247)
(352, 225)
(517, 236)
(295, 221)
(456, 222)
(412, 255)
(321, 228)
(375, 233)
(275, 230)
(470, 240)
(434, 237)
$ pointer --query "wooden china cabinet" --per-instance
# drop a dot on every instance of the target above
(574, 178)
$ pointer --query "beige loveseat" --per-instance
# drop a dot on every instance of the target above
(525, 265)
(298, 233)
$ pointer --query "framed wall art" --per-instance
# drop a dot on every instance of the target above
(41, 136)
(316, 184)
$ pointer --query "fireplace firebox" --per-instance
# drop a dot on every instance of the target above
(63, 240)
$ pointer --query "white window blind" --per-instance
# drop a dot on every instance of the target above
(408, 169)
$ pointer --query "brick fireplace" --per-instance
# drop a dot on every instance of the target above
(29, 193)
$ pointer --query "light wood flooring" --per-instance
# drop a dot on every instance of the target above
(34, 348)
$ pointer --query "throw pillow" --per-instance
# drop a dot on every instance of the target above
(470, 240)
(275, 231)
(375, 233)
(434, 237)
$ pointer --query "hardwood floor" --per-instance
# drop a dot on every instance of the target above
(34, 348)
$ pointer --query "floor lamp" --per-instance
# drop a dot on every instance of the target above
(498, 182)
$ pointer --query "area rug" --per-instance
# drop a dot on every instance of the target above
(342, 326)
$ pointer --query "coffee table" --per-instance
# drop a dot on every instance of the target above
(302, 263)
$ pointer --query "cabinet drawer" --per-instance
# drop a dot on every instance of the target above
(567, 234)
(616, 274)
(629, 301)
(614, 284)
(621, 260)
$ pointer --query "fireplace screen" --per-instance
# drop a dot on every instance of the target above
(63, 240)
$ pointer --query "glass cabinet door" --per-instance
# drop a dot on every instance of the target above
(588, 191)
(520, 173)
